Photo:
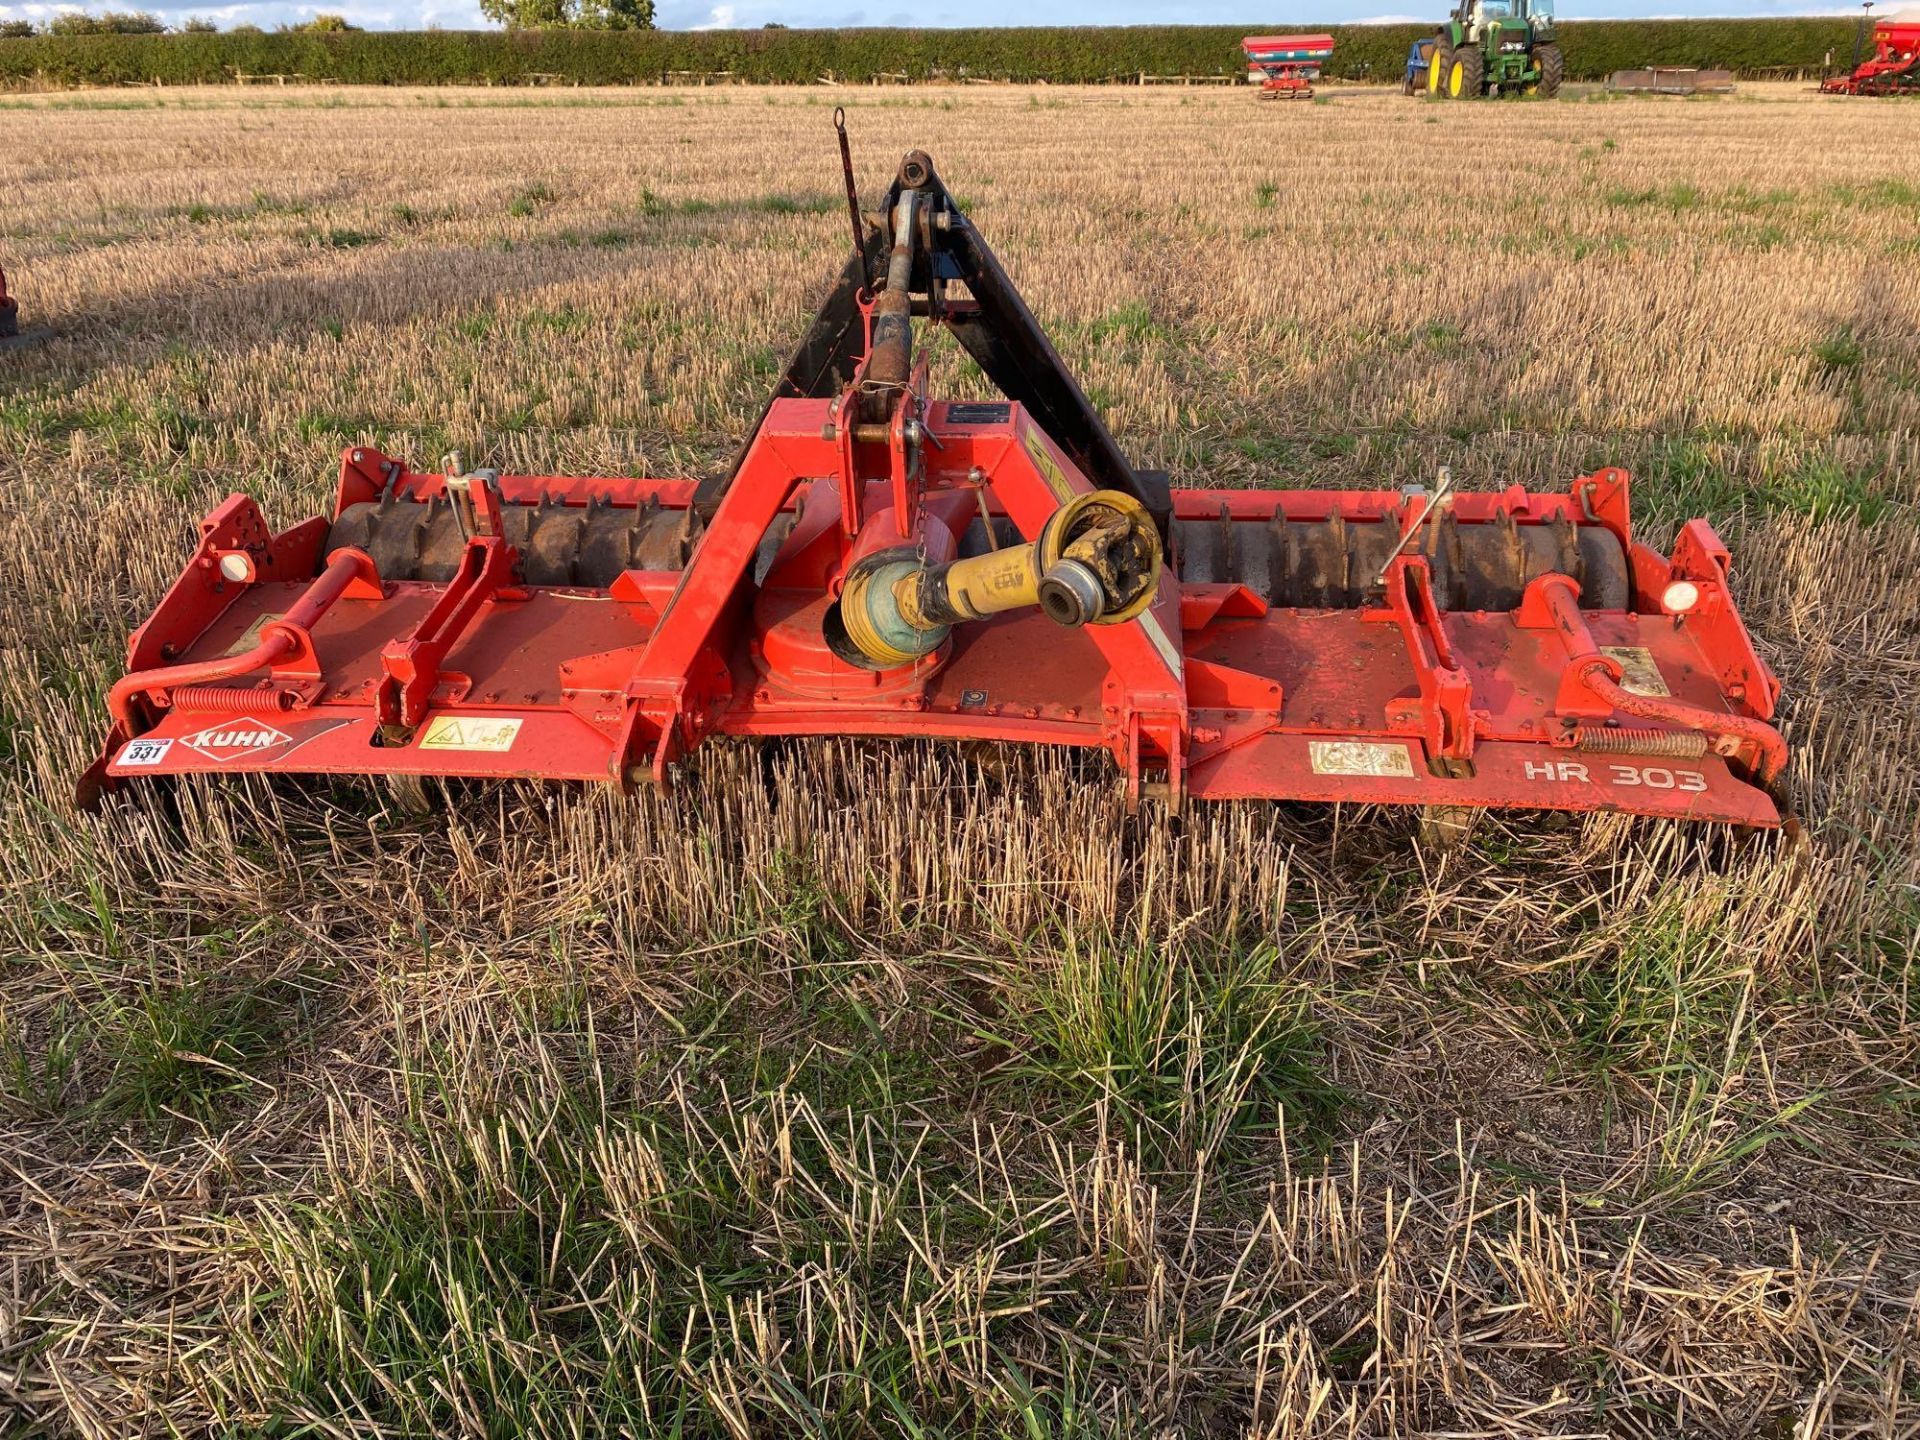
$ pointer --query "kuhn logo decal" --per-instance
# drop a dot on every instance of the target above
(233, 741)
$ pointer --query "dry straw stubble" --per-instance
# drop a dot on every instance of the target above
(745, 1109)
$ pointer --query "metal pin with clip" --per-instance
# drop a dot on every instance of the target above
(1443, 487)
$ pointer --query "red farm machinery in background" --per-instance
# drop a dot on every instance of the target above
(12, 336)
(878, 561)
(1285, 66)
(1892, 69)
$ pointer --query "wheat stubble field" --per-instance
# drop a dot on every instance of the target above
(855, 1091)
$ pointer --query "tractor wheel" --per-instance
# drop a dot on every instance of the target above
(1467, 76)
(1553, 69)
(1438, 64)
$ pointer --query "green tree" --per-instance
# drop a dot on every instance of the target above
(107, 22)
(198, 25)
(570, 14)
(15, 29)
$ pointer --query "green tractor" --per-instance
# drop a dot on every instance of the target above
(1496, 46)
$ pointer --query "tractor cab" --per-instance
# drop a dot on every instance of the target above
(1484, 15)
(1513, 24)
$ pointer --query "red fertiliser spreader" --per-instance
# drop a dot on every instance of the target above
(880, 561)
(1285, 66)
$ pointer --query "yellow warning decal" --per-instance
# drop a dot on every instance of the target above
(1358, 757)
(1048, 467)
(1638, 673)
(1157, 635)
(249, 637)
(470, 732)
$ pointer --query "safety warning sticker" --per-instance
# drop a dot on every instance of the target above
(1358, 757)
(1638, 673)
(250, 637)
(1048, 467)
(145, 752)
(470, 732)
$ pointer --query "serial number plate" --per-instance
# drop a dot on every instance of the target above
(1358, 757)
(989, 414)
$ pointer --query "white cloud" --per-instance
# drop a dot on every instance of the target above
(368, 14)
(737, 14)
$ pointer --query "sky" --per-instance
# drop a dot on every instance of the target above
(751, 14)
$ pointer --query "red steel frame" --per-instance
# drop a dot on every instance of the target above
(270, 653)
(1892, 69)
(1292, 77)
(1211, 694)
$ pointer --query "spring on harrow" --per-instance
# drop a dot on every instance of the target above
(1629, 740)
(232, 700)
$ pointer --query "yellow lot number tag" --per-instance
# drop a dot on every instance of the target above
(470, 732)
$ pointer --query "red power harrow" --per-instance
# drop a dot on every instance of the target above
(879, 562)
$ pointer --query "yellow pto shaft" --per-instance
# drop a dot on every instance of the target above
(1097, 562)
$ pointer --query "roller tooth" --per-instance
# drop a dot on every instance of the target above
(1515, 550)
(1455, 570)
(1341, 541)
(1450, 578)
(1285, 546)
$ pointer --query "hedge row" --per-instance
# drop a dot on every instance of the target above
(1594, 49)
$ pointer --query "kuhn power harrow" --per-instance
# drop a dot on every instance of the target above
(880, 562)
